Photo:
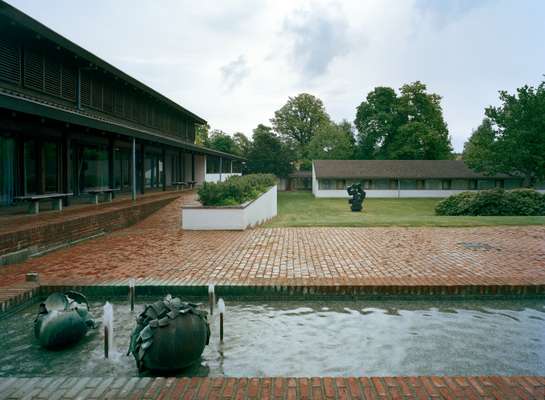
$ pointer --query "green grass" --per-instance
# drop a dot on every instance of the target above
(303, 209)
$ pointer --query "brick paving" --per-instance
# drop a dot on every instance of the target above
(157, 250)
(275, 388)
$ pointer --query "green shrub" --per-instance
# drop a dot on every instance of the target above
(493, 202)
(235, 190)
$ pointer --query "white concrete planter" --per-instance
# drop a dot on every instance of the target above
(252, 213)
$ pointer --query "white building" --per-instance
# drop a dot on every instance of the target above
(403, 178)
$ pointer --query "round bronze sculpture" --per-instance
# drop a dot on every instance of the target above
(63, 319)
(169, 335)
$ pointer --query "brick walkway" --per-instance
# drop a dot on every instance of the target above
(275, 388)
(158, 249)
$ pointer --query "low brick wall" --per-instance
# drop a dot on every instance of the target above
(36, 239)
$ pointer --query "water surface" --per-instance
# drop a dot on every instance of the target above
(335, 338)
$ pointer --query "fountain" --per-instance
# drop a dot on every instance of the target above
(63, 319)
(169, 335)
(108, 323)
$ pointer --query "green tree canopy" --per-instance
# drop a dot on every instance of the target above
(268, 154)
(514, 143)
(331, 142)
(221, 141)
(201, 135)
(299, 119)
(409, 126)
(242, 143)
(377, 121)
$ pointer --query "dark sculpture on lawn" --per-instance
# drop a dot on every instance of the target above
(170, 335)
(63, 319)
(358, 195)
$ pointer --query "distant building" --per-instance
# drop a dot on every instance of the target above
(403, 178)
(70, 122)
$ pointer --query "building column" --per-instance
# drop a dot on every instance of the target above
(164, 173)
(111, 160)
(133, 170)
(193, 166)
(221, 166)
(40, 167)
(20, 171)
(66, 167)
(180, 168)
(142, 168)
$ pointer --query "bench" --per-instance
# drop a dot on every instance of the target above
(179, 185)
(192, 184)
(95, 192)
(34, 199)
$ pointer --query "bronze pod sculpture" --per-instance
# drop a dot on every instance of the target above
(63, 319)
(169, 335)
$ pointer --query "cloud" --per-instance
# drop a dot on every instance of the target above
(249, 57)
(234, 72)
(319, 35)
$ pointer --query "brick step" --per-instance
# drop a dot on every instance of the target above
(436, 387)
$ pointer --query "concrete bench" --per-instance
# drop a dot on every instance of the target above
(192, 184)
(34, 200)
(179, 185)
(96, 192)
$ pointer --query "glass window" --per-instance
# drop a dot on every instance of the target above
(340, 184)
(122, 168)
(446, 184)
(31, 179)
(212, 165)
(237, 167)
(512, 183)
(326, 184)
(381, 184)
(7, 171)
(51, 163)
(460, 184)
(408, 184)
(92, 167)
(226, 166)
(433, 184)
(486, 183)
(153, 170)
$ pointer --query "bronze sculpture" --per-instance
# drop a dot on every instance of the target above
(358, 195)
(169, 335)
(63, 319)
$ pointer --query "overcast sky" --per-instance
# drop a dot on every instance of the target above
(235, 62)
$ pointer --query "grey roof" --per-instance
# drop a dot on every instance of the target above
(405, 169)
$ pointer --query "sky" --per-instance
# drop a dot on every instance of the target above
(236, 62)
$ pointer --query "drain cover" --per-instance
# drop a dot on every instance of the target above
(476, 246)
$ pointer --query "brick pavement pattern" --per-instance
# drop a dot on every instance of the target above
(383, 388)
(156, 250)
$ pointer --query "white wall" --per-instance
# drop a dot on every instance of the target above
(216, 177)
(231, 218)
(386, 193)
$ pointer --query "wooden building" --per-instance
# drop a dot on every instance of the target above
(71, 123)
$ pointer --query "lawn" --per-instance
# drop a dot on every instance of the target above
(303, 209)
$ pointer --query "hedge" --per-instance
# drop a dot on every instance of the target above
(235, 190)
(493, 202)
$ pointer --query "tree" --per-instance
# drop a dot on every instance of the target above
(299, 119)
(331, 142)
(377, 121)
(517, 146)
(201, 135)
(478, 148)
(242, 143)
(428, 132)
(268, 154)
(221, 141)
(409, 126)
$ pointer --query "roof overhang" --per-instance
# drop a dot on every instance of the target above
(19, 18)
(29, 106)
